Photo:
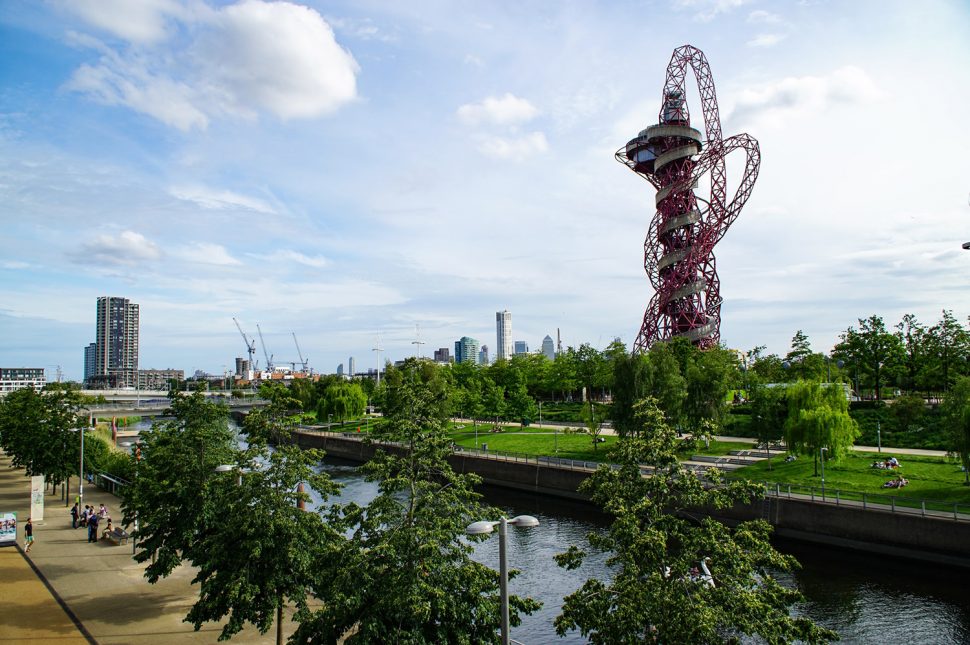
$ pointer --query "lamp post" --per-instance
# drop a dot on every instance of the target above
(879, 435)
(821, 452)
(80, 484)
(484, 528)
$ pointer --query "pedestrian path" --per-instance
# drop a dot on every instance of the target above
(99, 584)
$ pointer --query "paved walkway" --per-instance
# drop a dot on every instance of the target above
(98, 584)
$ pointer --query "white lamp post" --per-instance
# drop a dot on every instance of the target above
(80, 484)
(484, 528)
(821, 452)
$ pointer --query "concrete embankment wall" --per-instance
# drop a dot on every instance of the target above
(905, 535)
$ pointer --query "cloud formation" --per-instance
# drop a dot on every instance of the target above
(765, 40)
(205, 253)
(707, 10)
(506, 110)
(239, 60)
(125, 249)
(218, 199)
(846, 85)
(514, 148)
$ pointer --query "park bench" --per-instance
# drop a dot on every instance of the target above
(118, 535)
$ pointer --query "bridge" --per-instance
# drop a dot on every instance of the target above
(158, 407)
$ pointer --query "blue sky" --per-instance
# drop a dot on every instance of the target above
(347, 169)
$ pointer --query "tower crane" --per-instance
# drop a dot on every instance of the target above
(303, 361)
(269, 359)
(250, 345)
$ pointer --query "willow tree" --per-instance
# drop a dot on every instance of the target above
(956, 410)
(676, 575)
(818, 417)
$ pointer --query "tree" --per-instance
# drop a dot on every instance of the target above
(956, 411)
(818, 417)
(342, 400)
(769, 409)
(39, 431)
(871, 351)
(657, 593)
(710, 375)
(260, 550)
(594, 415)
(405, 575)
(170, 497)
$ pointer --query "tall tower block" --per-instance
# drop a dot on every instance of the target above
(678, 251)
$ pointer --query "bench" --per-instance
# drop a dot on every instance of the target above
(118, 536)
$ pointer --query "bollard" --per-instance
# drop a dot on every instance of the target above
(836, 497)
(893, 500)
(922, 504)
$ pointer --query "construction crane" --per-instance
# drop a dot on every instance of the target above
(250, 345)
(303, 361)
(269, 359)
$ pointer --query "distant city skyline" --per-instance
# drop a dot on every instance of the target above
(345, 171)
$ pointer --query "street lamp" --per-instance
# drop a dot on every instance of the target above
(80, 484)
(821, 452)
(879, 435)
(484, 528)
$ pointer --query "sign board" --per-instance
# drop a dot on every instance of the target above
(8, 528)
(37, 498)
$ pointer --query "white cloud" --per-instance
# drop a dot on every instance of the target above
(14, 265)
(794, 95)
(706, 10)
(214, 199)
(515, 148)
(765, 40)
(145, 21)
(205, 253)
(284, 256)
(506, 110)
(238, 60)
(760, 16)
(127, 248)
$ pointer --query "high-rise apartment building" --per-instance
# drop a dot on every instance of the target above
(503, 335)
(466, 350)
(442, 355)
(90, 360)
(15, 378)
(521, 347)
(351, 366)
(549, 348)
(483, 356)
(116, 344)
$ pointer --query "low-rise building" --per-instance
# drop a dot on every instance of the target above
(16, 378)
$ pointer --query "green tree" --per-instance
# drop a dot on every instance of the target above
(956, 411)
(657, 592)
(871, 351)
(343, 400)
(818, 417)
(405, 574)
(170, 496)
(594, 415)
(710, 375)
(769, 410)
(908, 410)
(39, 431)
(260, 551)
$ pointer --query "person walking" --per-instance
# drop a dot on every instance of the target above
(74, 515)
(28, 535)
(93, 527)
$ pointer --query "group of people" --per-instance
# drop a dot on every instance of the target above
(899, 482)
(889, 464)
(91, 518)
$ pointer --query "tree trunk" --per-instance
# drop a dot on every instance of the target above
(279, 622)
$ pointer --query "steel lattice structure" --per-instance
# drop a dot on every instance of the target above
(678, 254)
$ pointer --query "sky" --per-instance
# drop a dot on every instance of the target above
(369, 172)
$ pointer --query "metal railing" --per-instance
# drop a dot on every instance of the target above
(871, 501)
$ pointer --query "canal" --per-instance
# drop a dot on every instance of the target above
(866, 598)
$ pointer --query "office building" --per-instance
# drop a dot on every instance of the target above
(90, 360)
(116, 344)
(352, 366)
(483, 356)
(548, 348)
(442, 355)
(466, 350)
(17, 378)
(340, 370)
(521, 347)
(503, 335)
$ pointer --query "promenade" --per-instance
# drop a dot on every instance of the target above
(69, 591)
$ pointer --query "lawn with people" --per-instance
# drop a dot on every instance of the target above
(935, 479)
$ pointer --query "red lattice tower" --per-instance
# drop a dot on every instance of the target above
(678, 254)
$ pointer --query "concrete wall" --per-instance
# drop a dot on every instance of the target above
(904, 535)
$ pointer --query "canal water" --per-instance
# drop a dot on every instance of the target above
(866, 598)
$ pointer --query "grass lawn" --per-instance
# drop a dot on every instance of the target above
(930, 478)
(571, 446)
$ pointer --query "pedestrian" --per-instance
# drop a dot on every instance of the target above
(29, 535)
(103, 512)
(74, 516)
(93, 528)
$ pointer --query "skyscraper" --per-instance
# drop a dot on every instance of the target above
(466, 350)
(548, 348)
(352, 366)
(521, 347)
(90, 360)
(442, 355)
(483, 356)
(116, 343)
(503, 334)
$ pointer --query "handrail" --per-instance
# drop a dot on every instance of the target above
(870, 501)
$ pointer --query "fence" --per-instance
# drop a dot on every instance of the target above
(871, 501)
